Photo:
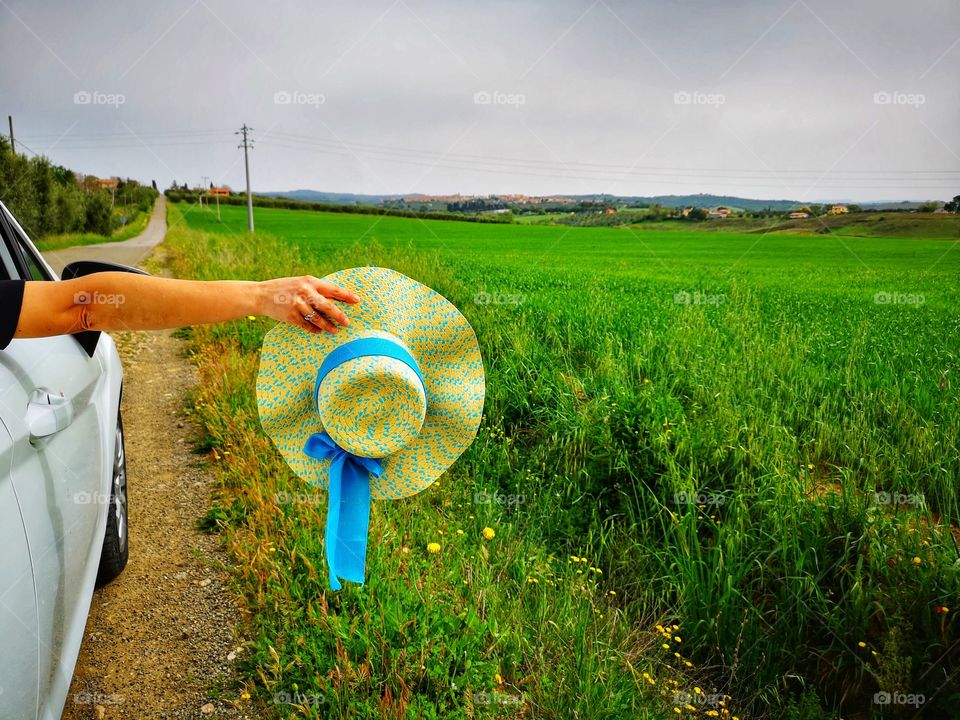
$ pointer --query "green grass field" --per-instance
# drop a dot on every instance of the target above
(733, 462)
(866, 225)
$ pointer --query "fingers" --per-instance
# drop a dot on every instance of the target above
(328, 289)
(317, 323)
(325, 314)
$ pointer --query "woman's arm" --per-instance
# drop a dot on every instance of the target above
(127, 301)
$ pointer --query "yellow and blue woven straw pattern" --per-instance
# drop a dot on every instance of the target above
(372, 404)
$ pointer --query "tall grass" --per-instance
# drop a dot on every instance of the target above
(726, 467)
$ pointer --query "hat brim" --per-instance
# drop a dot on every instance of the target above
(439, 337)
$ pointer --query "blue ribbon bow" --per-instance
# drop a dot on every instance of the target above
(348, 509)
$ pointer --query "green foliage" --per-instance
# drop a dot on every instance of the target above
(47, 200)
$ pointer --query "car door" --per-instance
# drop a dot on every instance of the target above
(58, 453)
(18, 598)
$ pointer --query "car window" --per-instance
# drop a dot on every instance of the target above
(8, 269)
(8, 266)
(36, 271)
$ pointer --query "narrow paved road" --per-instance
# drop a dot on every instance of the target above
(128, 252)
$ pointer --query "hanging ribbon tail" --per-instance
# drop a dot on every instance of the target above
(348, 508)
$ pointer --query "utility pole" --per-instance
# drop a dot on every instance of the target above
(246, 161)
(204, 182)
(13, 145)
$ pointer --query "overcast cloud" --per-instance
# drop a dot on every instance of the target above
(800, 99)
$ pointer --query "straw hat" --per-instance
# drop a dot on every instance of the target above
(378, 410)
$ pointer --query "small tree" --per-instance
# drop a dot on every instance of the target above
(954, 205)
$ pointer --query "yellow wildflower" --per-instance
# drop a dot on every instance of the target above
(488, 533)
(433, 547)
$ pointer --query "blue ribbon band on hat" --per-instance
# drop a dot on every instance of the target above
(363, 347)
(348, 506)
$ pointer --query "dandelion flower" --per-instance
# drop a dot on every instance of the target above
(916, 561)
(497, 679)
(245, 695)
(488, 533)
(861, 644)
(433, 547)
(251, 317)
(459, 532)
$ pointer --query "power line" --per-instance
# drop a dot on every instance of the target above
(568, 173)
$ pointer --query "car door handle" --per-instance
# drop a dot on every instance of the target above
(48, 413)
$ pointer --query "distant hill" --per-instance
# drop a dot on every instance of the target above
(700, 200)
(332, 198)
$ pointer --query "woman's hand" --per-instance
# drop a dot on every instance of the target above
(291, 299)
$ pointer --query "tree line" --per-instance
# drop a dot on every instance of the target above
(49, 199)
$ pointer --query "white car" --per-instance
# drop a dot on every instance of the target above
(63, 491)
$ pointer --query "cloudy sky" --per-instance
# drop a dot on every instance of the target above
(800, 99)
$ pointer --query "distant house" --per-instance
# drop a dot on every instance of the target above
(724, 211)
(838, 210)
(108, 183)
(716, 214)
(610, 211)
(686, 211)
(799, 215)
(221, 191)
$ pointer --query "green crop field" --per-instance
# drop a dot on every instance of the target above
(721, 470)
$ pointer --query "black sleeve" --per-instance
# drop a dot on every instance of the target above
(11, 300)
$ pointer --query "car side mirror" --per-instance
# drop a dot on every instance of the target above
(88, 339)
